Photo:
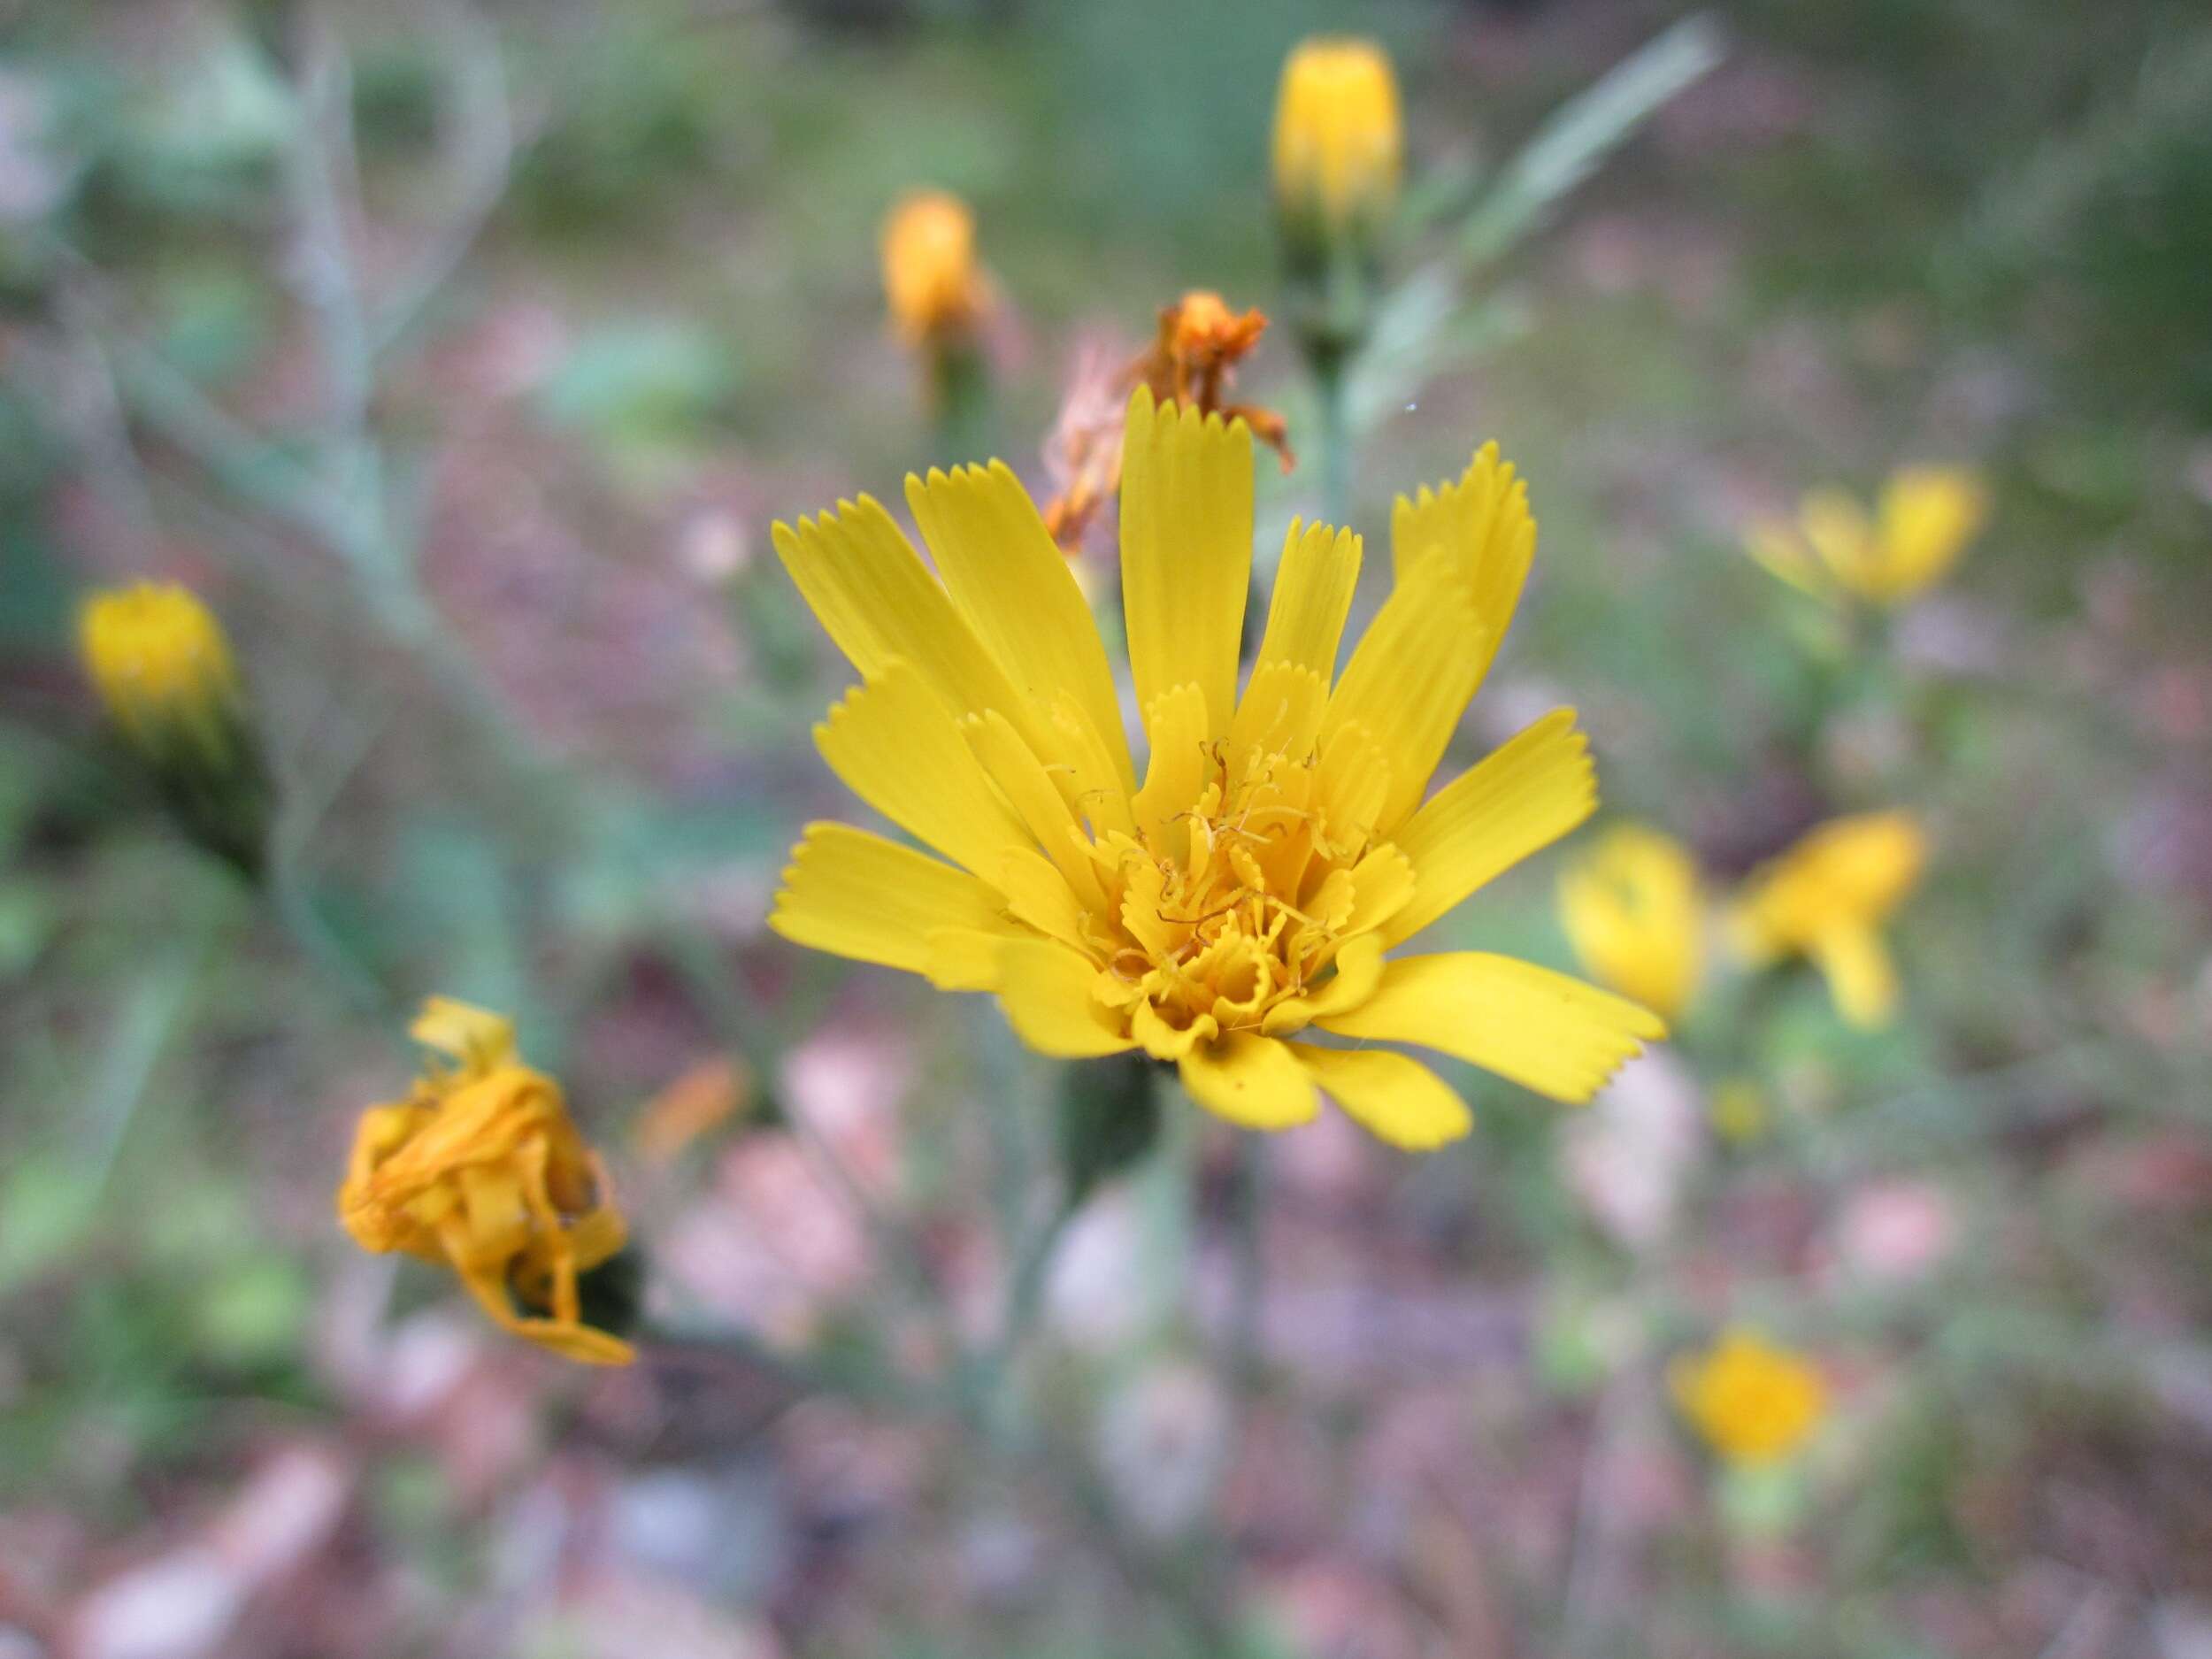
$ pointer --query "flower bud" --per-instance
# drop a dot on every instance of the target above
(937, 292)
(164, 670)
(1339, 151)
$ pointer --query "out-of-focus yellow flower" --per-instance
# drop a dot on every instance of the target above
(1634, 913)
(1339, 146)
(1279, 842)
(1191, 362)
(161, 663)
(480, 1169)
(937, 291)
(163, 668)
(1926, 517)
(1753, 1403)
(1826, 898)
(1738, 1110)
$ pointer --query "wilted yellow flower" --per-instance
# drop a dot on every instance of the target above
(936, 290)
(1191, 362)
(1279, 844)
(1194, 362)
(1753, 1403)
(1926, 517)
(160, 662)
(1826, 898)
(480, 1169)
(1339, 144)
(1634, 913)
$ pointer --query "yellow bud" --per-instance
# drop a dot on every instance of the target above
(1752, 1402)
(159, 661)
(1339, 143)
(936, 291)
(163, 668)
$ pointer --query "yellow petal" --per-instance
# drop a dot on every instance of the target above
(1353, 785)
(478, 1037)
(1391, 1095)
(1382, 883)
(1281, 711)
(1178, 767)
(1859, 975)
(1255, 1082)
(1481, 524)
(897, 747)
(856, 895)
(1313, 596)
(1185, 552)
(1038, 894)
(878, 601)
(1634, 912)
(1928, 516)
(1410, 680)
(1077, 746)
(1015, 590)
(1050, 998)
(1545, 1032)
(1359, 969)
(1519, 799)
(1043, 807)
(579, 1343)
(964, 958)
(1163, 1041)
(1839, 533)
(1780, 551)
(1849, 871)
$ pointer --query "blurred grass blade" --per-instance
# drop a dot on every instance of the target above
(1422, 333)
(142, 1025)
(1583, 131)
(1424, 327)
(2029, 209)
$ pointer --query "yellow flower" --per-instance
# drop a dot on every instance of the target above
(160, 662)
(936, 291)
(1635, 916)
(479, 1168)
(1826, 898)
(1338, 145)
(1753, 1403)
(1926, 517)
(1279, 843)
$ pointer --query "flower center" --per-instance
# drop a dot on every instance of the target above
(1217, 914)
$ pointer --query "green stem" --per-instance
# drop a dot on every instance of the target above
(1336, 442)
(986, 1378)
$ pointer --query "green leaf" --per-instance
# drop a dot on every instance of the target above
(1585, 129)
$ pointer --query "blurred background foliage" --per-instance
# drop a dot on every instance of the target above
(483, 503)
